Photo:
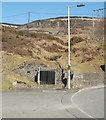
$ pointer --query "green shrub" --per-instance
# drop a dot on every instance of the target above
(55, 58)
(76, 39)
(17, 36)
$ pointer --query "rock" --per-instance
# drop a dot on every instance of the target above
(14, 83)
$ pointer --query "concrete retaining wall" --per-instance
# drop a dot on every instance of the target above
(88, 79)
(80, 80)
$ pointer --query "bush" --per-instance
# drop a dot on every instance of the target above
(76, 39)
(17, 36)
(10, 38)
(55, 57)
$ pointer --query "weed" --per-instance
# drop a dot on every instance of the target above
(17, 36)
(55, 58)
(76, 39)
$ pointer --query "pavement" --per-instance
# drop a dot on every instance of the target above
(24, 103)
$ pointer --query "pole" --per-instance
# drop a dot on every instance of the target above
(93, 24)
(69, 65)
(28, 19)
(39, 76)
(103, 22)
(98, 14)
(68, 47)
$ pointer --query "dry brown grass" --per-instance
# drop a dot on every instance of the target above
(24, 43)
(21, 46)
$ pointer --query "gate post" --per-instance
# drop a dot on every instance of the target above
(39, 76)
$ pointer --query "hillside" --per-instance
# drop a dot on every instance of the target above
(58, 26)
(21, 47)
(9, 25)
(32, 44)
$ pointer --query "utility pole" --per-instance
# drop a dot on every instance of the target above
(103, 22)
(101, 18)
(98, 13)
(28, 17)
(93, 24)
(28, 20)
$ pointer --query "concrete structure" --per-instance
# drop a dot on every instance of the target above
(88, 79)
(30, 70)
(80, 80)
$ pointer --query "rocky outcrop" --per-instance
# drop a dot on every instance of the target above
(59, 26)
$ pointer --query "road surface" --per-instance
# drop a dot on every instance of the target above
(90, 102)
(34, 104)
(53, 104)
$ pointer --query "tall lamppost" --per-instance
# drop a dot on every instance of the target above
(69, 65)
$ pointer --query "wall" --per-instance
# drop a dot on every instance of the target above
(80, 80)
(30, 70)
(88, 79)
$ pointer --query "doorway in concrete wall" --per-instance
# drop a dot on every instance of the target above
(47, 77)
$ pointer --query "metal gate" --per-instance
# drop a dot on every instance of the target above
(47, 77)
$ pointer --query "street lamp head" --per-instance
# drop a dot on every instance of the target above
(80, 5)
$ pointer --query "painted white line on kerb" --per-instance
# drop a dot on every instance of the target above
(78, 93)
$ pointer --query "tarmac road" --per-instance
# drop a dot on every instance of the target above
(34, 104)
(53, 104)
(90, 102)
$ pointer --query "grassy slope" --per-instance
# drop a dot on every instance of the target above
(10, 62)
(85, 56)
(21, 46)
